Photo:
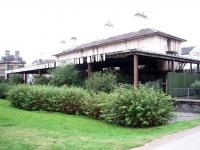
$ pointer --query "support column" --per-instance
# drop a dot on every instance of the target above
(173, 65)
(197, 67)
(89, 69)
(168, 67)
(7, 76)
(40, 74)
(135, 70)
(190, 67)
(25, 78)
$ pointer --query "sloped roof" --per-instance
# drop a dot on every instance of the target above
(187, 50)
(43, 61)
(122, 37)
(10, 58)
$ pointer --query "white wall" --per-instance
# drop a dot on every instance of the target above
(154, 43)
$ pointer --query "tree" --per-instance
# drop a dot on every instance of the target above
(65, 75)
(16, 79)
(101, 82)
(43, 80)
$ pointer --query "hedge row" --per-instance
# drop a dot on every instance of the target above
(127, 106)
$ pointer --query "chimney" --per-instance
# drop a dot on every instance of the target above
(17, 53)
(7, 53)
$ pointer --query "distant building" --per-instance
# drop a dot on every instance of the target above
(30, 77)
(10, 62)
(191, 52)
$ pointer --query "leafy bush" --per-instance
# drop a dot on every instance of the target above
(157, 84)
(141, 107)
(42, 80)
(196, 84)
(16, 79)
(2, 80)
(101, 82)
(126, 105)
(65, 75)
(92, 105)
(65, 99)
(4, 88)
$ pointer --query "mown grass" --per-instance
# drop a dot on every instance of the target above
(25, 130)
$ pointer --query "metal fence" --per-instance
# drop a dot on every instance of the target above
(180, 81)
(185, 93)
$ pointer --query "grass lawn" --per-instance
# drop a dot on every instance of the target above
(25, 130)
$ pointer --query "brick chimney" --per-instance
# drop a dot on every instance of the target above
(7, 52)
(17, 53)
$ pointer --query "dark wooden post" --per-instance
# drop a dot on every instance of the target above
(7, 76)
(40, 73)
(135, 70)
(25, 78)
(168, 67)
(89, 69)
(197, 67)
(172, 65)
(190, 67)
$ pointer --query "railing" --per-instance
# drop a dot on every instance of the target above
(185, 93)
(34, 67)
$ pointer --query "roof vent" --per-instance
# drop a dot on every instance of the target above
(109, 29)
(141, 20)
(73, 39)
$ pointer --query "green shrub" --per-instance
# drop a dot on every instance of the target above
(126, 105)
(196, 84)
(41, 80)
(92, 105)
(16, 79)
(101, 82)
(64, 99)
(157, 84)
(141, 107)
(65, 75)
(2, 80)
(4, 88)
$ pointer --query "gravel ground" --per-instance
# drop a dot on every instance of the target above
(181, 116)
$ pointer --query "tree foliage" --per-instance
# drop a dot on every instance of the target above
(16, 79)
(65, 75)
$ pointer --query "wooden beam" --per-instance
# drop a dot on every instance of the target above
(135, 70)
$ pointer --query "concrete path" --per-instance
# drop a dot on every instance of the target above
(186, 140)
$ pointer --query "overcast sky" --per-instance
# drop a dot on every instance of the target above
(36, 27)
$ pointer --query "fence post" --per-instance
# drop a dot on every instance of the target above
(188, 93)
(170, 91)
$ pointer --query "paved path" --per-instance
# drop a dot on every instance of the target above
(186, 140)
